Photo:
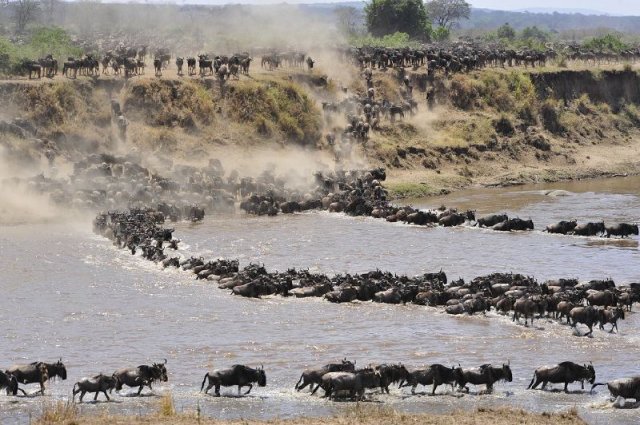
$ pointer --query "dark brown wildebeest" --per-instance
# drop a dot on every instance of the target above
(562, 227)
(589, 229)
(625, 388)
(314, 376)
(240, 375)
(352, 384)
(565, 372)
(622, 229)
(526, 307)
(97, 384)
(157, 66)
(141, 376)
(38, 372)
(391, 374)
(435, 375)
(610, 316)
(586, 315)
(179, 63)
(191, 66)
(602, 298)
(483, 375)
(491, 220)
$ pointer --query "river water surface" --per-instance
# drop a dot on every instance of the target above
(69, 293)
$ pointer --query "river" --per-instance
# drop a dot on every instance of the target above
(69, 293)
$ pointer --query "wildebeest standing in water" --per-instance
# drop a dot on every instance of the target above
(38, 372)
(141, 376)
(483, 375)
(98, 384)
(314, 376)
(625, 388)
(565, 372)
(240, 375)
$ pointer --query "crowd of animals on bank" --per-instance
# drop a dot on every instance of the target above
(130, 61)
(340, 380)
(596, 302)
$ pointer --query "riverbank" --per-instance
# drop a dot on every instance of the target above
(67, 414)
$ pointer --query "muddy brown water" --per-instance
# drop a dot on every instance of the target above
(69, 293)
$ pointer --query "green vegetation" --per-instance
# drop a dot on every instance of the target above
(398, 190)
(39, 43)
(395, 40)
(392, 16)
(607, 43)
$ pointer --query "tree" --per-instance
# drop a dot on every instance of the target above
(506, 31)
(348, 19)
(25, 12)
(445, 13)
(534, 33)
(391, 16)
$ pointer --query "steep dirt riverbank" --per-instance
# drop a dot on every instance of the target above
(493, 127)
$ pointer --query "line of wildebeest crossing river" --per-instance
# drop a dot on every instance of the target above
(337, 380)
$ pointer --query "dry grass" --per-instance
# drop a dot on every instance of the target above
(359, 415)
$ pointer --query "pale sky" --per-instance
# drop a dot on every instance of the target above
(613, 7)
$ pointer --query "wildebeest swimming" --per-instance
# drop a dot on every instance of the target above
(486, 375)
(563, 373)
(625, 388)
(435, 375)
(141, 376)
(240, 375)
(97, 384)
(38, 372)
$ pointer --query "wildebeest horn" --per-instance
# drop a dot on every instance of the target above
(165, 361)
(262, 367)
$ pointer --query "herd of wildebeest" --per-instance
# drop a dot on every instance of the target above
(451, 58)
(340, 380)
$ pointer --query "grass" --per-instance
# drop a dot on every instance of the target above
(399, 190)
(353, 415)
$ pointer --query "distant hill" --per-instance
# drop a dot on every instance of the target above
(563, 10)
(486, 19)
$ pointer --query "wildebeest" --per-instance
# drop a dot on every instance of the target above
(353, 384)
(589, 229)
(141, 376)
(491, 220)
(314, 376)
(610, 316)
(391, 374)
(483, 375)
(602, 298)
(240, 375)
(435, 375)
(514, 224)
(191, 66)
(9, 382)
(179, 64)
(157, 66)
(38, 372)
(586, 315)
(565, 372)
(526, 307)
(562, 227)
(97, 384)
(622, 229)
(625, 388)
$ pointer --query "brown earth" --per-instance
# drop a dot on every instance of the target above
(488, 128)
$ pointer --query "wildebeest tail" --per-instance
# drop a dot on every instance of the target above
(74, 391)
(204, 380)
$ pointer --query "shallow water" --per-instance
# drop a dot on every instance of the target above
(68, 293)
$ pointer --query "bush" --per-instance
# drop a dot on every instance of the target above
(551, 117)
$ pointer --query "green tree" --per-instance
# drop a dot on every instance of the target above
(445, 13)
(441, 34)
(391, 16)
(534, 33)
(506, 32)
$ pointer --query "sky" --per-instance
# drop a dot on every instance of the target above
(612, 7)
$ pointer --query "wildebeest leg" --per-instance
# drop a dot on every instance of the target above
(433, 391)
(217, 390)
(95, 397)
(42, 387)
(566, 384)
(249, 390)
(82, 395)
(105, 394)
(544, 385)
(140, 389)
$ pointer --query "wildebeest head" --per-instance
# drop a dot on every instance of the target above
(591, 373)
(350, 366)
(159, 371)
(57, 369)
(262, 377)
(506, 372)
